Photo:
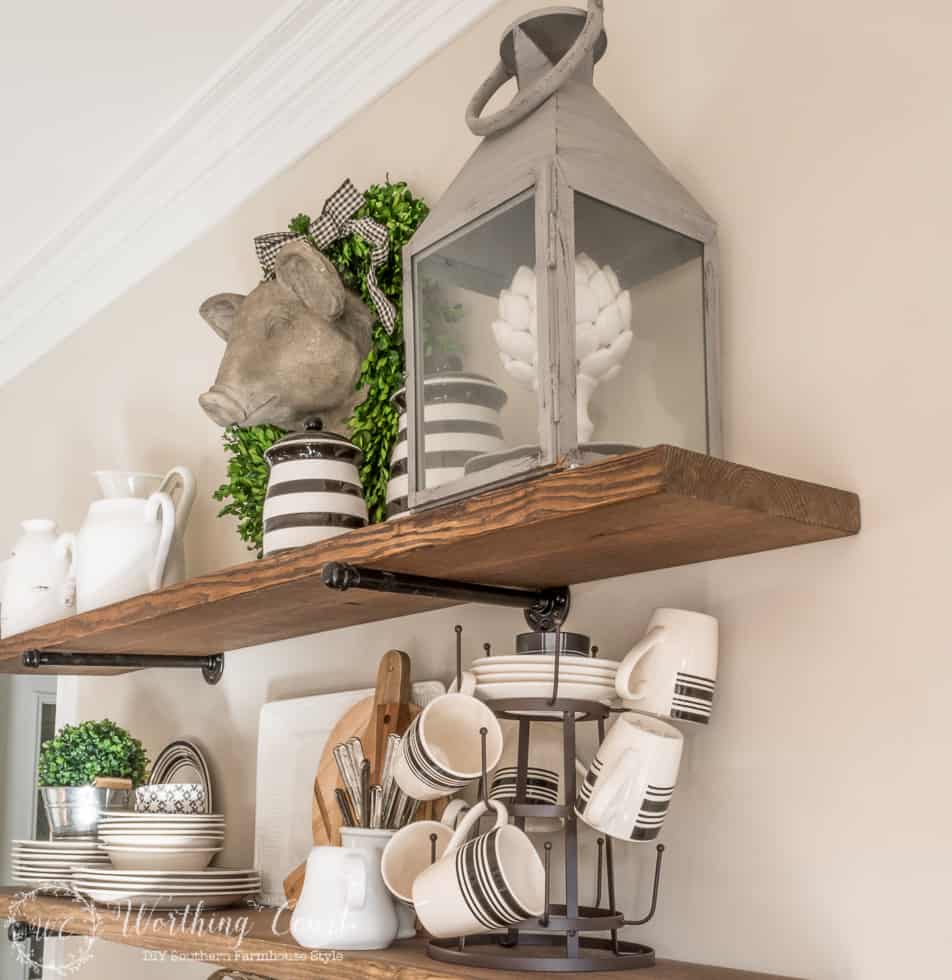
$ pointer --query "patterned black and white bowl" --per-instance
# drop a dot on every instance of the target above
(170, 798)
(461, 421)
(314, 491)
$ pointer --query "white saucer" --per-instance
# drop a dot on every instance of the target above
(597, 676)
(176, 900)
(503, 691)
(537, 659)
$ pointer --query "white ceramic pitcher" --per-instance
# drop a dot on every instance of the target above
(38, 587)
(344, 903)
(181, 480)
(122, 549)
(178, 483)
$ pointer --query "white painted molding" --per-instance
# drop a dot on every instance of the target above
(316, 64)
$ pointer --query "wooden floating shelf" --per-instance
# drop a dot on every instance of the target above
(651, 509)
(267, 949)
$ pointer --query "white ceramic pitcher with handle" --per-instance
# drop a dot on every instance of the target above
(344, 903)
(178, 483)
(38, 587)
(181, 480)
(122, 549)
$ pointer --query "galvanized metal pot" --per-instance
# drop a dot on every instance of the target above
(74, 811)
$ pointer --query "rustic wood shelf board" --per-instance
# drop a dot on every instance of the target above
(265, 953)
(651, 509)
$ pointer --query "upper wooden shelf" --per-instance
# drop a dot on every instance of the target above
(267, 950)
(651, 509)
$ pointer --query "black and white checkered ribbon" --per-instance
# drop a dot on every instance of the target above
(337, 221)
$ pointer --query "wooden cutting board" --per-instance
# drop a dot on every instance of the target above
(371, 720)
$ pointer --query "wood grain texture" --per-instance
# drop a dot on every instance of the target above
(651, 509)
(267, 949)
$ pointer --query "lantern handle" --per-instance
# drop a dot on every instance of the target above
(530, 98)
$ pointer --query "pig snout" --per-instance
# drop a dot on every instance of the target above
(223, 406)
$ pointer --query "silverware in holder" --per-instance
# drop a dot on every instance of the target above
(552, 942)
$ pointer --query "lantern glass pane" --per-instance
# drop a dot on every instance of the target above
(640, 347)
(475, 346)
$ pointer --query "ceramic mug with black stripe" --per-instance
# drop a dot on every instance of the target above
(628, 787)
(441, 751)
(544, 776)
(314, 490)
(672, 671)
(492, 881)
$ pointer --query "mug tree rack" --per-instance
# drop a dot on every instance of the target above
(553, 942)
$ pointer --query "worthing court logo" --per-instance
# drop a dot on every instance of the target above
(82, 915)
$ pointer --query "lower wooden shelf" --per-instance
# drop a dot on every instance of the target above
(264, 947)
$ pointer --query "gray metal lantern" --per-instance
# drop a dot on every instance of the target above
(565, 275)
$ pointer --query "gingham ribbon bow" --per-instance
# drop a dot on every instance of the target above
(335, 222)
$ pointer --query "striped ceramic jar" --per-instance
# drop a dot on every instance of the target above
(461, 421)
(314, 491)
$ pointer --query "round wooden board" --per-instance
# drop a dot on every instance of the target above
(357, 721)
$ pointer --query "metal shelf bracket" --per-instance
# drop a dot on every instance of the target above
(544, 609)
(212, 666)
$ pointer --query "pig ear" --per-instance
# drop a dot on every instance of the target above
(221, 311)
(312, 278)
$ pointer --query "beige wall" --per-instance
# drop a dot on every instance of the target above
(810, 835)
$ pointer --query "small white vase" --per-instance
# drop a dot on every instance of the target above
(38, 587)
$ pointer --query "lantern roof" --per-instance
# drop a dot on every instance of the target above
(577, 131)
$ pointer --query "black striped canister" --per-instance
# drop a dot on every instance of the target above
(314, 490)
(461, 421)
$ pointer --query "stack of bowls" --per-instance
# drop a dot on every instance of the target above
(161, 841)
(461, 421)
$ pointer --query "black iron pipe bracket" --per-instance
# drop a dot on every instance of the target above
(21, 932)
(545, 609)
(212, 666)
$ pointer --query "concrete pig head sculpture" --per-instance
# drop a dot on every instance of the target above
(295, 345)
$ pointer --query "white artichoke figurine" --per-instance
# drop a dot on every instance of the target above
(602, 330)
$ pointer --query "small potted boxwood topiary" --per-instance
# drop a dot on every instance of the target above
(73, 761)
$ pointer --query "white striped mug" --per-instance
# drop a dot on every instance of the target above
(441, 751)
(494, 880)
(672, 671)
(629, 785)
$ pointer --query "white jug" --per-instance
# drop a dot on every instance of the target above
(180, 479)
(39, 586)
(178, 483)
(122, 549)
(344, 903)
(374, 841)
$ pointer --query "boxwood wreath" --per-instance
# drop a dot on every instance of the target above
(373, 426)
(80, 753)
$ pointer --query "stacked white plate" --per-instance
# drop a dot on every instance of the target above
(161, 841)
(210, 887)
(36, 861)
(532, 676)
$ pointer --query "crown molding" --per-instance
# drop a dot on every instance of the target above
(313, 66)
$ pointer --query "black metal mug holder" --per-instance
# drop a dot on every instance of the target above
(553, 942)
